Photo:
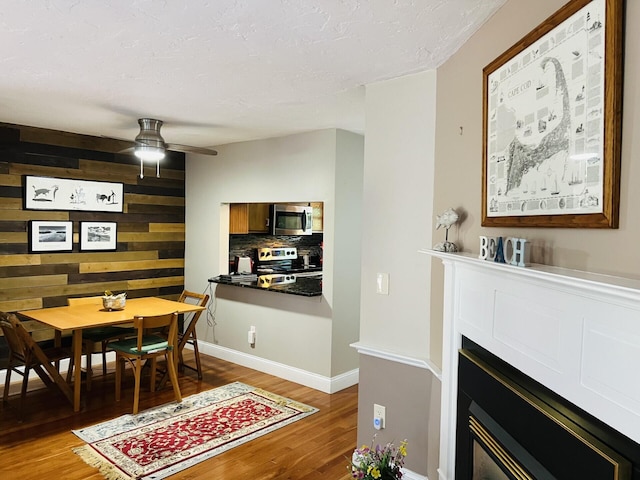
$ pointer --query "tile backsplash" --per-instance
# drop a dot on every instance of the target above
(246, 245)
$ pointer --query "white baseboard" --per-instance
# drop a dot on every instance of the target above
(293, 374)
(409, 475)
(303, 377)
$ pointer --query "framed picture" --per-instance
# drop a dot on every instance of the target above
(50, 236)
(98, 235)
(552, 122)
(48, 193)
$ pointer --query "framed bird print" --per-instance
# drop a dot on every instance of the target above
(48, 193)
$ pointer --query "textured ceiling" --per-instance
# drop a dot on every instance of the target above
(216, 71)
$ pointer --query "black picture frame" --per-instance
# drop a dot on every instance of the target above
(98, 236)
(46, 236)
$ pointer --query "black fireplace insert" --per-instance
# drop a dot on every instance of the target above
(511, 427)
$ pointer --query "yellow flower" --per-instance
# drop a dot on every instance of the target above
(374, 472)
(403, 449)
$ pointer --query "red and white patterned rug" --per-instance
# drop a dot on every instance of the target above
(164, 440)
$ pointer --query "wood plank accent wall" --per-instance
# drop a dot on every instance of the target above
(149, 259)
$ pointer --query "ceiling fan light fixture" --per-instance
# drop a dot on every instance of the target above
(150, 145)
(152, 154)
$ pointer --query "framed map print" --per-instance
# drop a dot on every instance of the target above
(552, 122)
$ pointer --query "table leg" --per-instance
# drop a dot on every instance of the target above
(57, 342)
(77, 360)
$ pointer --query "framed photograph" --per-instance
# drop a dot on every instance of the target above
(50, 236)
(48, 193)
(98, 235)
(552, 109)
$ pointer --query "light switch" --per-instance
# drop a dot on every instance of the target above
(382, 283)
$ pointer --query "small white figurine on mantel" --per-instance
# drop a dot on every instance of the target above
(446, 220)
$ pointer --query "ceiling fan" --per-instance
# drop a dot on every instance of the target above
(150, 146)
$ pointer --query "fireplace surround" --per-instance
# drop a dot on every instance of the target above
(571, 336)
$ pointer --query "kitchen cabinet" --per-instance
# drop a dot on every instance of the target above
(317, 216)
(238, 218)
(248, 218)
(259, 218)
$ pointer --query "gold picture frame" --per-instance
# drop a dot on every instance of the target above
(552, 122)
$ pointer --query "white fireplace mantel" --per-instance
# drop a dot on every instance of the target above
(575, 332)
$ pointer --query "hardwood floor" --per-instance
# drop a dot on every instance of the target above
(316, 447)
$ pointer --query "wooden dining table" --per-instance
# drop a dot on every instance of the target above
(79, 317)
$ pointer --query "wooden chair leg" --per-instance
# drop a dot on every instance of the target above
(70, 369)
(89, 370)
(173, 375)
(196, 352)
(104, 357)
(119, 365)
(152, 384)
(7, 382)
(180, 362)
(23, 390)
(136, 391)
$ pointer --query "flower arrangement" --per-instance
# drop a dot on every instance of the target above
(114, 302)
(379, 463)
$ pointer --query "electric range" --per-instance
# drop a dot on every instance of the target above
(274, 266)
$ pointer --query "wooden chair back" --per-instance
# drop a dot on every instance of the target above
(10, 325)
(189, 332)
(167, 323)
(84, 301)
(18, 339)
(194, 298)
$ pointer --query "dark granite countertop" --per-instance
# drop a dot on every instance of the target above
(310, 286)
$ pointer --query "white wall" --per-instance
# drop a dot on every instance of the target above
(398, 216)
(291, 330)
(397, 222)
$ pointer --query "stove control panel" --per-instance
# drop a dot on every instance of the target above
(279, 253)
(266, 281)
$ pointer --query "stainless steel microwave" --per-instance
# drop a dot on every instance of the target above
(291, 220)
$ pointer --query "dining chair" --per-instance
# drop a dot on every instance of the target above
(25, 352)
(188, 334)
(98, 336)
(148, 346)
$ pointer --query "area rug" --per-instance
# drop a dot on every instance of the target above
(162, 441)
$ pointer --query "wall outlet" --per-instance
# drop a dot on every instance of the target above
(379, 414)
(251, 336)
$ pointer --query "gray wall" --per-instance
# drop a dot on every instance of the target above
(412, 401)
(306, 334)
(347, 228)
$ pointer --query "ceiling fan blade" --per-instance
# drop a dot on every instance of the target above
(189, 149)
(130, 150)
